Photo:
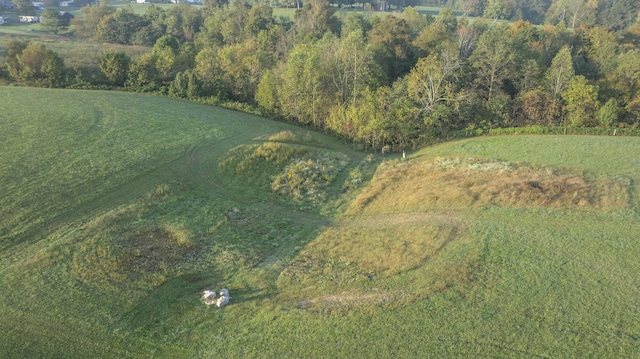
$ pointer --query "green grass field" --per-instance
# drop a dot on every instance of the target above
(119, 209)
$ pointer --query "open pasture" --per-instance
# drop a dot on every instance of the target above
(119, 209)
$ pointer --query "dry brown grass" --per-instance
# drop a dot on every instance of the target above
(420, 186)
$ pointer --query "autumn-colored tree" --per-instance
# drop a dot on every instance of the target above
(537, 107)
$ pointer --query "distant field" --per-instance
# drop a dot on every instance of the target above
(77, 54)
(118, 209)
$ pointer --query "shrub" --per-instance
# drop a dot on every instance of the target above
(306, 178)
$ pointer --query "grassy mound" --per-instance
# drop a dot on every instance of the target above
(469, 182)
(119, 209)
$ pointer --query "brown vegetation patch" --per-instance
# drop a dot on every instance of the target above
(157, 250)
(464, 183)
(145, 255)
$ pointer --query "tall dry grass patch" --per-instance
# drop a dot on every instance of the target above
(468, 183)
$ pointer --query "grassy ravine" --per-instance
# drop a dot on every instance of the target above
(118, 209)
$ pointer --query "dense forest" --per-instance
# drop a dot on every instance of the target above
(396, 79)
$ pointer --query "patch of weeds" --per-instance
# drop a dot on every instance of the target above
(254, 159)
(474, 164)
(290, 137)
(306, 179)
(143, 257)
(357, 175)
(469, 182)
(321, 272)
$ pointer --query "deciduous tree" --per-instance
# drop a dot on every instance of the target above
(430, 82)
(303, 93)
(86, 26)
(35, 64)
(581, 102)
(24, 7)
(114, 65)
(391, 43)
(573, 12)
(267, 95)
(314, 19)
(560, 74)
(492, 60)
(52, 20)
(350, 67)
(120, 27)
(607, 115)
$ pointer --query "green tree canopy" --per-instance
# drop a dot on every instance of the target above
(35, 64)
(52, 20)
(493, 60)
(560, 74)
(114, 65)
(581, 102)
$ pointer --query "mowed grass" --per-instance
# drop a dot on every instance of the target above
(119, 209)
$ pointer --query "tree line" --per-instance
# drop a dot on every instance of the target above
(398, 80)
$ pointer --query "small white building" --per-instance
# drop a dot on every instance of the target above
(1, 20)
(29, 18)
(66, 3)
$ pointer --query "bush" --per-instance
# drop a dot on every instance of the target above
(306, 178)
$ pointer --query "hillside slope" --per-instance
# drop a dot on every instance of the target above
(119, 209)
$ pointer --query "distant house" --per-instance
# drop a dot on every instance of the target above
(141, 1)
(38, 5)
(66, 17)
(195, 2)
(29, 18)
(380, 6)
(66, 3)
(1, 20)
